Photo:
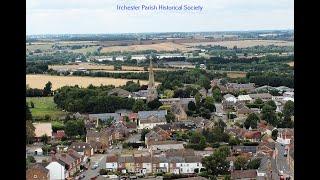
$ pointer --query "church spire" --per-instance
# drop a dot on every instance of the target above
(151, 75)
(152, 91)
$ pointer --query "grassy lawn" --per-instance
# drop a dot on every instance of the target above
(44, 106)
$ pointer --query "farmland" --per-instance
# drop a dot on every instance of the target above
(44, 106)
(39, 80)
(167, 46)
(244, 43)
(236, 74)
(291, 64)
(82, 65)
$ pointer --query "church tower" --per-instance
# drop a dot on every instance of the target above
(152, 90)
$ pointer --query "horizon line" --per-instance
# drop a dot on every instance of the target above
(156, 32)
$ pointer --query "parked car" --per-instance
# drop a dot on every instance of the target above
(95, 166)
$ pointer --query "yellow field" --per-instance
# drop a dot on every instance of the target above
(236, 74)
(291, 64)
(39, 81)
(168, 46)
(245, 43)
(82, 65)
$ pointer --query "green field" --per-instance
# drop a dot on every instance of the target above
(44, 106)
(85, 50)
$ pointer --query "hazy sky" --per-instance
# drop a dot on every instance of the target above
(101, 16)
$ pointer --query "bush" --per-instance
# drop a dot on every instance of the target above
(103, 172)
(254, 164)
(250, 143)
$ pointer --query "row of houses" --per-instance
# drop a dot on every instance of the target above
(61, 166)
(171, 161)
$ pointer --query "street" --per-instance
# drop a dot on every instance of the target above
(101, 159)
(281, 161)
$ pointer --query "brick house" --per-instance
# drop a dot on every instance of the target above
(82, 148)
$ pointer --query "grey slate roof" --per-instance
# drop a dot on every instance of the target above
(105, 116)
(146, 114)
(245, 149)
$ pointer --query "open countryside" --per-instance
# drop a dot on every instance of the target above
(168, 46)
(244, 43)
(38, 81)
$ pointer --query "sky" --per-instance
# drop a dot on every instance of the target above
(101, 16)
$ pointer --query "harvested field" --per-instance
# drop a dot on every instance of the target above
(244, 43)
(167, 46)
(42, 47)
(81, 65)
(236, 74)
(291, 64)
(39, 80)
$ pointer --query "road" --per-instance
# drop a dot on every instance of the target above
(281, 161)
(219, 110)
(101, 159)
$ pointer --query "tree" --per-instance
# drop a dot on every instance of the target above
(29, 131)
(181, 93)
(288, 109)
(274, 134)
(251, 121)
(139, 105)
(209, 104)
(31, 104)
(44, 138)
(170, 117)
(258, 101)
(268, 114)
(220, 124)
(28, 113)
(198, 99)
(205, 113)
(234, 141)
(168, 93)
(47, 89)
(254, 163)
(216, 94)
(192, 106)
(204, 82)
(143, 134)
(240, 163)
(31, 159)
(272, 104)
(155, 104)
(74, 128)
(216, 164)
